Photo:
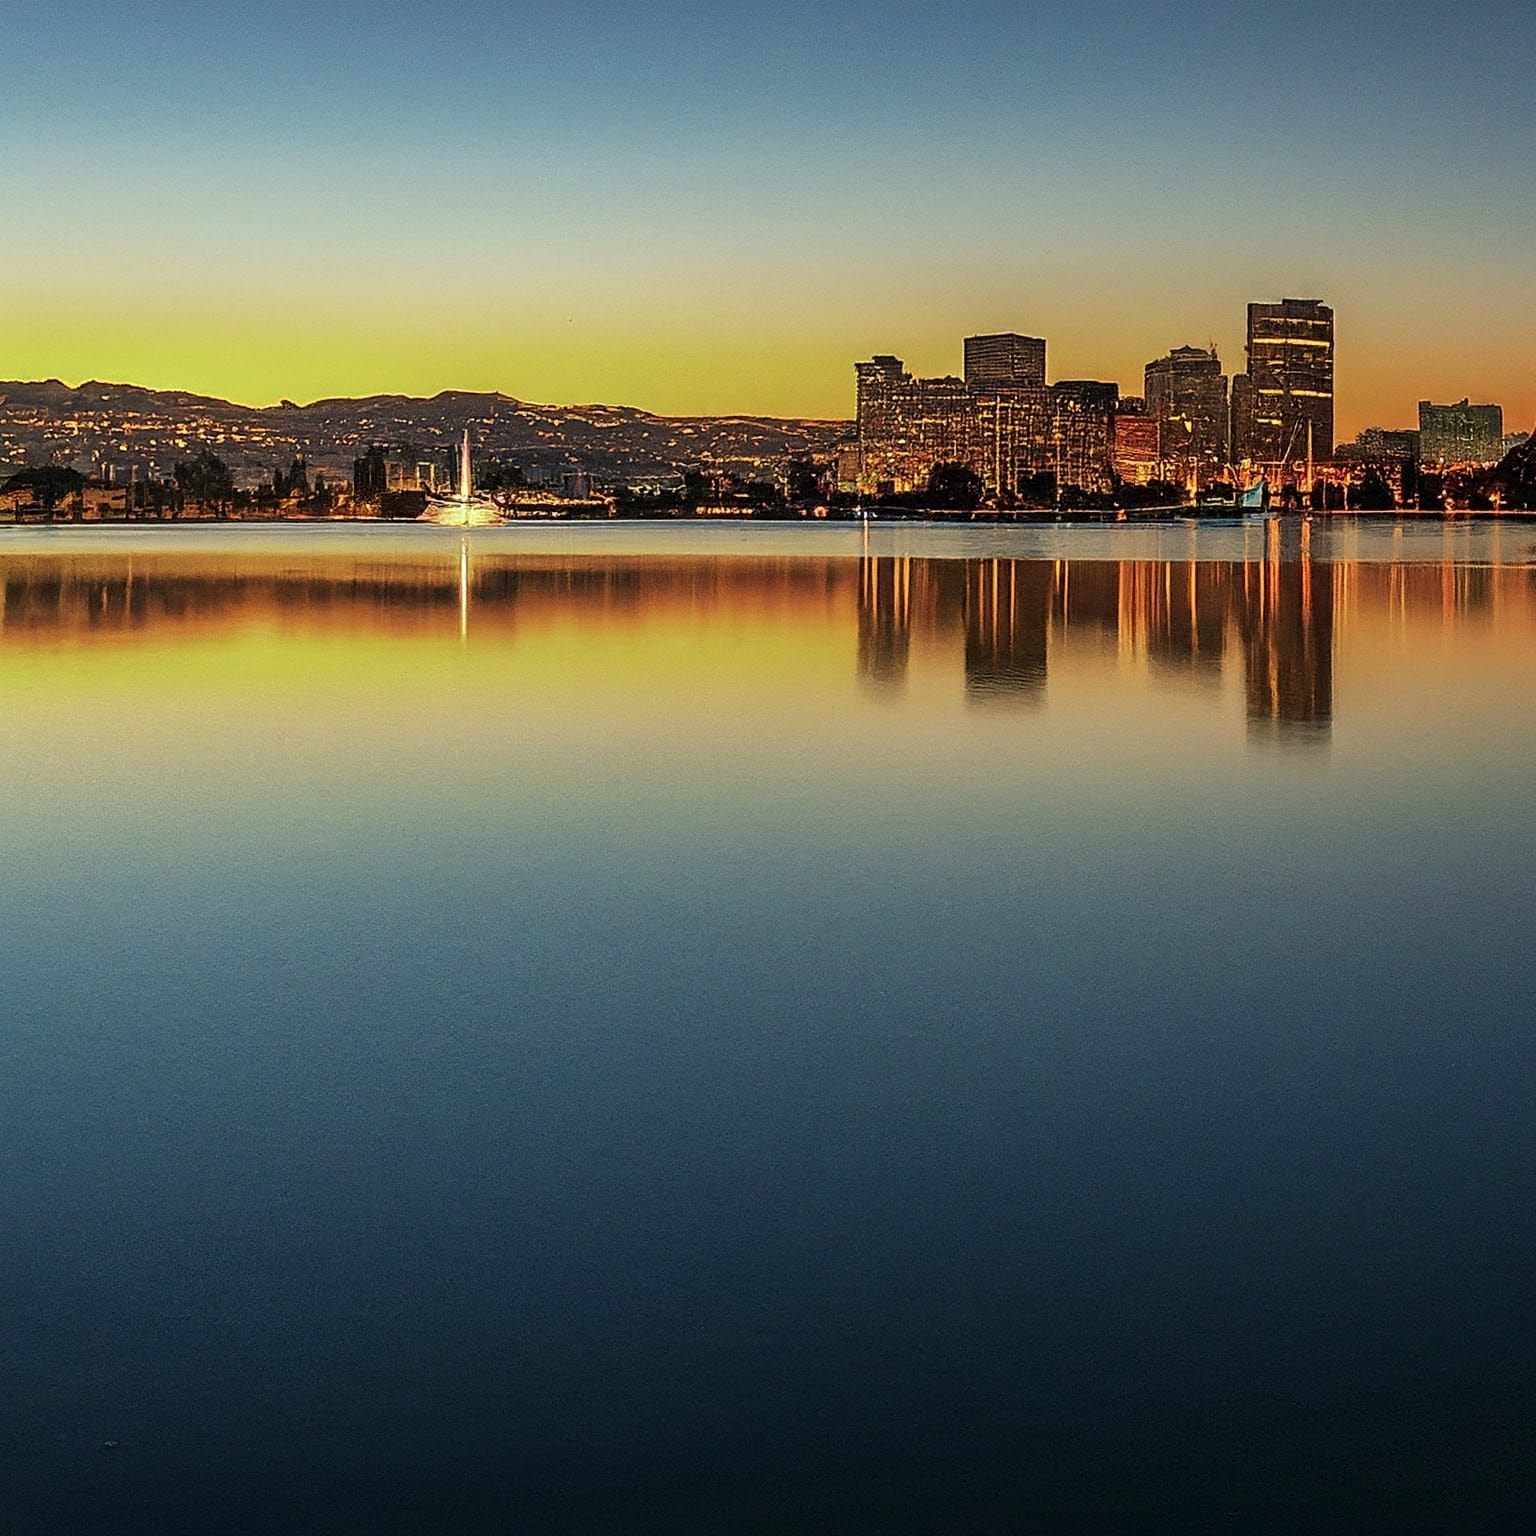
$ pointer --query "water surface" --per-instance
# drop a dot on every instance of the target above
(682, 1030)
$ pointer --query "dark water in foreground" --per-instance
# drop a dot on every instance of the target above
(584, 1032)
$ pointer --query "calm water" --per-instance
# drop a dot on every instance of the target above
(714, 1030)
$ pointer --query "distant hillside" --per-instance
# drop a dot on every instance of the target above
(49, 421)
(51, 394)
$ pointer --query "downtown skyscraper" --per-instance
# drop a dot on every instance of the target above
(1186, 395)
(1460, 434)
(1282, 408)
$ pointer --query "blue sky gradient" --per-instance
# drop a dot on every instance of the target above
(695, 207)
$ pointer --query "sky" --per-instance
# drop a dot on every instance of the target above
(709, 208)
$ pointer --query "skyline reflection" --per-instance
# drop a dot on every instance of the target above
(1277, 623)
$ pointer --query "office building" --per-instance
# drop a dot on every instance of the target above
(1135, 457)
(1460, 434)
(1283, 415)
(1008, 431)
(1006, 361)
(1187, 401)
(1083, 433)
(1380, 445)
(907, 426)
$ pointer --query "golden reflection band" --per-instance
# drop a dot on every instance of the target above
(1008, 621)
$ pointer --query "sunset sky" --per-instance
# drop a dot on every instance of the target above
(694, 207)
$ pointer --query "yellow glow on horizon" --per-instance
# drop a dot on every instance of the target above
(714, 363)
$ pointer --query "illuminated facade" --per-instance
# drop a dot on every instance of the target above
(907, 426)
(1460, 434)
(1283, 414)
(1006, 432)
(1135, 457)
(1187, 404)
(1082, 433)
(1013, 434)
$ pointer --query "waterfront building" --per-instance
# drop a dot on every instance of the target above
(1005, 361)
(98, 501)
(1005, 432)
(878, 383)
(1283, 414)
(1135, 455)
(381, 471)
(1013, 429)
(1083, 434)
(846, 463)
(908, 425)
(1187, 403)
(1460, 434)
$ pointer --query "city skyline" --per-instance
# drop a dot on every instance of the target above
(701, 213)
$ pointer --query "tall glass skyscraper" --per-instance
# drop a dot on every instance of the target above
(1283, 414)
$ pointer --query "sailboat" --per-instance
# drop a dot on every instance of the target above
(465, 510)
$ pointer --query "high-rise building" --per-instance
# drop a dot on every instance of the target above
(1460, 434)
(1187, 399)
(1083, 433)
(879, 381)
(1005, 361)
(1136, 458)
(1009, 429)
(383, 471)
(1014, 437)
(907, 426)
(1283, 415)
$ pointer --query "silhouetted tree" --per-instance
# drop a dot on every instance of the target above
(956, 486)
(50, 484)
(1373, 494)
(1038, 489)
(763, 493)
(206, 479)
(700, 488)
(1515, 477)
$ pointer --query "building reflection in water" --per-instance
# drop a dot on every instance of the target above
(1007, 628)
(1182, 618)
(1285, 617)
(885, 620)
(1277, 616)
